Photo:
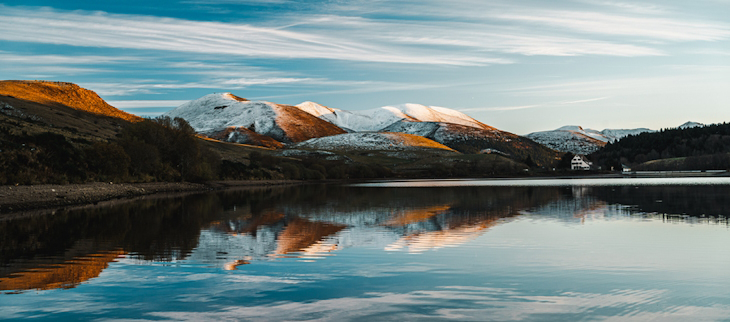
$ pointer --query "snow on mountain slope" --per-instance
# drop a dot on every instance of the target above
(215, 113)
(468, 139)
(568, 141)
(576, 139)
(617, 134)
(372, 141)
(690, 124)
(245, 136)
(378, 118)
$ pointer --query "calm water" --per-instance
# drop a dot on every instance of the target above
(610, 249)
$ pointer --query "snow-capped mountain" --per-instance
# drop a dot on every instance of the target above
(468, 139)
(378, 118)
(446, 126)
(214, 114)
(576, 139)
(690, 124)
(617, 134)
(230, 118)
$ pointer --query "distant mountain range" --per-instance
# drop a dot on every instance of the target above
(577, 140)
(230, 118)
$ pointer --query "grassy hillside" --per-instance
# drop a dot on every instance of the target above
(61, 94)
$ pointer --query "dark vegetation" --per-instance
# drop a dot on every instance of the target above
(160, 149)
(699, 148)
(151, 150)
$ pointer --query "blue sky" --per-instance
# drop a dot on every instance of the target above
(521, 66)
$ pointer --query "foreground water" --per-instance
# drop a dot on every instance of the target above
(638, 249)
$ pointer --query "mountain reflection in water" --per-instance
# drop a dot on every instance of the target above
(231, 228)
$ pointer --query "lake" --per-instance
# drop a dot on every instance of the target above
(501, 250)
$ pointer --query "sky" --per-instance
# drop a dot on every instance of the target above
(520, 65)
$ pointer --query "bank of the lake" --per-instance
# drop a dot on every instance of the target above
(30, 197)
(33, 197)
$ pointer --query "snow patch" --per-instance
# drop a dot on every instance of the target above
(370, 141)
(379, 118)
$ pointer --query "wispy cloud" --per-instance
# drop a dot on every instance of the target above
(499, 108)
(153, 33)
(522, 107)
(15, 58)
(147, 87)
(479, 39)
(132, 104)
(43, 66)
(610, 24)
(585, 100)
(635, 7)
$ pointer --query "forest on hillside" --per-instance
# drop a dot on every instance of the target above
(698, 148)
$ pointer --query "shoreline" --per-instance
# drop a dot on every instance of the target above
(48, 196)
(16, 199)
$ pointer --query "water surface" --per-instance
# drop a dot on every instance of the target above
(637, 249)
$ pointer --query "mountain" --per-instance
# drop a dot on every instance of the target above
(468, 139)
(692, 148)
(576, 139)
(690, 124)
(446, 126)
(614, 135)
(381, 141)
(55, 94)
(378, 118)
(215, 114)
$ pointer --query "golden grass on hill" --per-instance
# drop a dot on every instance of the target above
(301, 126)
(412, 140)
(60, 93)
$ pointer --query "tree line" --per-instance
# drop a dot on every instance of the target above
(698, 148)
(152, 150)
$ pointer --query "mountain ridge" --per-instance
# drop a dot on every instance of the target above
(62, 93)
(213, 114)
(575, 139)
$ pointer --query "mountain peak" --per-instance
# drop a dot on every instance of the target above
(570, 128)
(316, 109)
(690, 124)
(227, 115)
(234, 97)
(576, 139)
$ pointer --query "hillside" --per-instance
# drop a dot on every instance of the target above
(701, 148)
(468, 139)
(446, 126)
(55, 94)
(372, 141)
(220, 115)
(577, 140)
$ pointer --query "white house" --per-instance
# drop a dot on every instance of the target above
(580, 162)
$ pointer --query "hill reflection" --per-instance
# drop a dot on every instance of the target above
(231, 228)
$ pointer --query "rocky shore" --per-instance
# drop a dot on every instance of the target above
(21, 198)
